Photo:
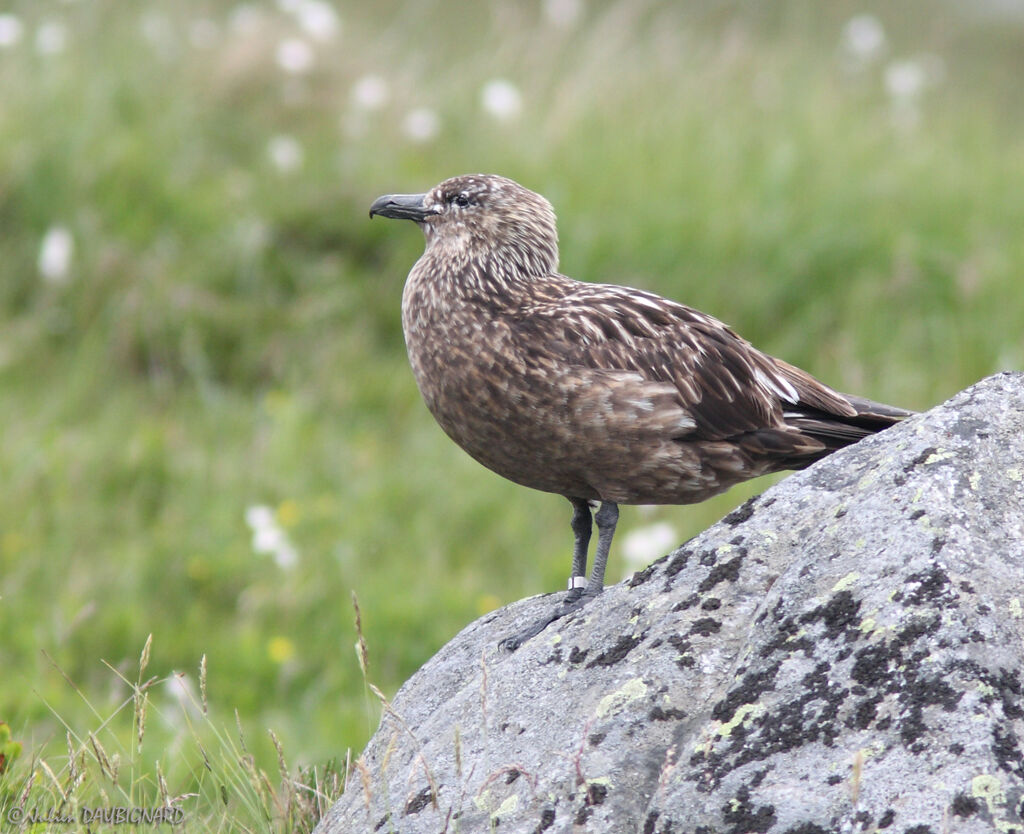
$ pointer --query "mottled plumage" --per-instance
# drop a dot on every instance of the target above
(593, 391)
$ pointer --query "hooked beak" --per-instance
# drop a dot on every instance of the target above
(402, 207)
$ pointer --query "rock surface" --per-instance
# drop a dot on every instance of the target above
(843, 653)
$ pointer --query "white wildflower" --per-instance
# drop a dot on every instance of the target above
(563, 13)
(285, 153)
(269, 537)
(501, 99)
(370, 92)
(183, 692)
(55, 253)
(51, 37)
(11, 29)
(863, 39)
(645, 544)
(318, 19)
(421, 124)
(294, 55)
(905, 79)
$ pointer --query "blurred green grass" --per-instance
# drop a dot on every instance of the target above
(228, 333)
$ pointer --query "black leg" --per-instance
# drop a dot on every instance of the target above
(581, 527)
(606, 518)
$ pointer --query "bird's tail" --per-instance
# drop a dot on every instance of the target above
(836, 431)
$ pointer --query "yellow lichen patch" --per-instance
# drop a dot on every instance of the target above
(937, 457)
(990, 789)
(739, 717)
(1015, 474)
(867, 625)
(867, 480)
(974, 480)
(846, 581)
(614, 701)
(1015, 609)
(508, 806)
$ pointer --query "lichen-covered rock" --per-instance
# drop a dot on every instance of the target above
(842, 654)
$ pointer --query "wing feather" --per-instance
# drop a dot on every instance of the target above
(721, 385)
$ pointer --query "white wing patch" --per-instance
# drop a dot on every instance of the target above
(777, 385)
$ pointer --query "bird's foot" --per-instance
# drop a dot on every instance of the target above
(573, 601)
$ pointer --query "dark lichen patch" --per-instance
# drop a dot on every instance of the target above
(917, 628)
(786, 639)
(650, 822)
(811, 717)
(921, 458)
(914, 516)
(964, 805)
(711, 604)
(839, 615)
(873, 666)
(742, 513)
(864, 713)
(578, 655)
(834, 779)
(806, 828)
(744, 818)
(662, 714)
(930, 587)
(554, 657)
(807, 719)
(705, 626)
(887, 819)
(596, 793)
(547, 819)
(919, 829)
(641, 576)
(676, 563)
(512, 775)
(1007, 687)
(596, 738)
(708, 558)
(916, 693)
(419, 801)
(1006, 749)
(723, 572)
(689, 602)
(618, 652)
(382, 821)
(683, 646)
(749, 691)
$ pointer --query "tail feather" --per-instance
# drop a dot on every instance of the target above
(836, 431)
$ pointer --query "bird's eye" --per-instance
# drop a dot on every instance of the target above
(461, 200)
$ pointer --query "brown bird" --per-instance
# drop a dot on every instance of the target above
(597, 392)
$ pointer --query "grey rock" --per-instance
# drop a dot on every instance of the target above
(841, 654)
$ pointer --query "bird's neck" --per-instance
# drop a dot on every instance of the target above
(450, 278)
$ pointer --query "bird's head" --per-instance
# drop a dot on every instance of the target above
(483, 218)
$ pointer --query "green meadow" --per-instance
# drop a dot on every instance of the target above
(208, 430)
